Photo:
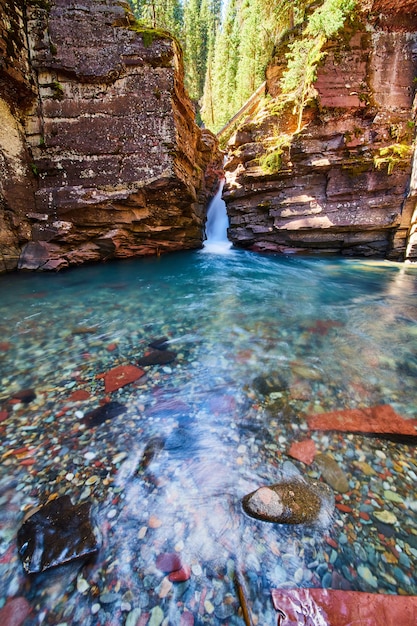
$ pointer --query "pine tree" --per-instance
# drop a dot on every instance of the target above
(165, 14)
(224, 67)
(193, 44)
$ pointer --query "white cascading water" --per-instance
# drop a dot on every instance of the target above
(217, 224)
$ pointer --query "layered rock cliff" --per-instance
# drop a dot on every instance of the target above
(17, 91)
(341, 184)
(101, 155)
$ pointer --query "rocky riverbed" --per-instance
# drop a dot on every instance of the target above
(166, 458)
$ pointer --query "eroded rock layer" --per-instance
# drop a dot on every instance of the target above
(121, 168)
(341, 184)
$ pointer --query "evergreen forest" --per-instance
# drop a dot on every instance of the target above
(228, 44)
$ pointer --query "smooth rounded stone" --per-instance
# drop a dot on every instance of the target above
(168, 562)
(298, 575)
(118, 458)
(411, 540)
(326, 581)
(404, 560)
(332, 473)
(309, 373)
(109, 597)
(385, 529)
(366, 574)
(180, 575)
(386, 517)
(92, 480)
(209, 607)
(164, 588)
(133, 617)
(360, 552)
(402, 578)
(157, 357)
(82, 585)
(297, 501)
(157, 616)
(197, 569)
(413, 505)
(372, 555)
(393, 496)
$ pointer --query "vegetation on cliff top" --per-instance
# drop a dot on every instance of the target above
(228, 45)
(306, 52)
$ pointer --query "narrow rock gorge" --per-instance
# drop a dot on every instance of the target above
(100, 156)
(340, 183)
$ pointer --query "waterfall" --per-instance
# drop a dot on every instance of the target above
(217, 224)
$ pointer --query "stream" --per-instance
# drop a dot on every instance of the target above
(258, 344)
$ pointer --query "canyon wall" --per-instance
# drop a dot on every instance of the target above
(342, 183)
(104, 143)
(17, 92)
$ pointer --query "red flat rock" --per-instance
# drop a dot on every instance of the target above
(3, 416)
(331, 607)
(121, 376)
(381, 419)
(79, 394)
(180, 575)
(304, 451)
(14, 612)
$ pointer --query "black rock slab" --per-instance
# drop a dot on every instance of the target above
(102, 413)
(57, 533)
(159, 344)
(24, 395)
(157, 357)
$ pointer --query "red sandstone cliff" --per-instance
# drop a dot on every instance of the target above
(339, 185)
(105, 151)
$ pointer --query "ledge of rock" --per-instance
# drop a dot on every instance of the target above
(336, 608)
(325, 192)
(108, 154)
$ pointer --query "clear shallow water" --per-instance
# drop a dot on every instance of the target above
(260, 342)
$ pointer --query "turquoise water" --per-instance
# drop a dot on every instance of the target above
(260, 343)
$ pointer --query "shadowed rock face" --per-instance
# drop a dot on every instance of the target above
(121, 167)
(327, 195)
(17, 91)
